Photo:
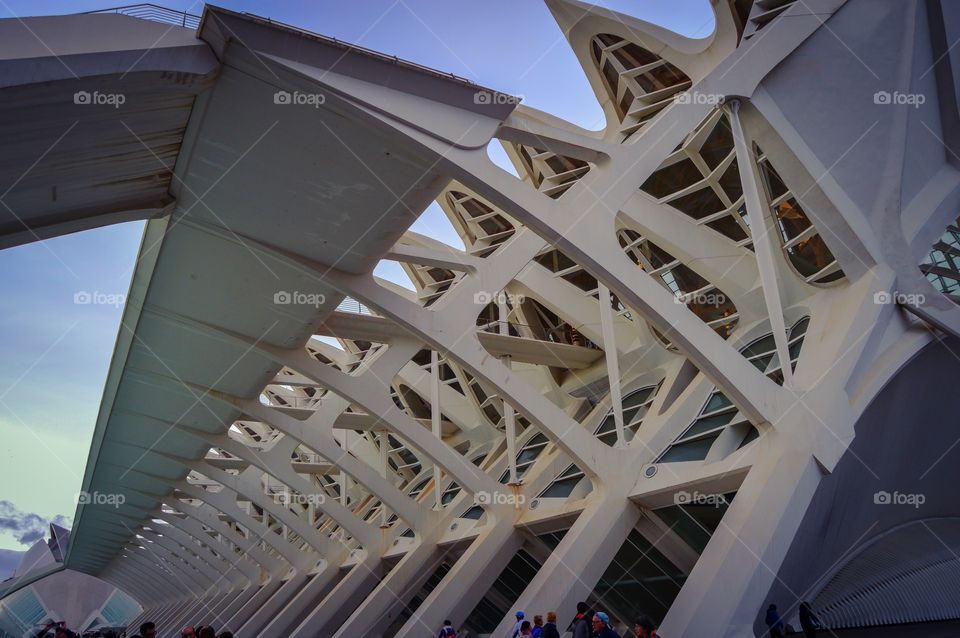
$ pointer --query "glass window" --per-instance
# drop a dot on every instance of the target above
(719, 413)
(635, 407)
(803, 245)
(619, 62)
(563, 485)
(942, 265)
(527, 456)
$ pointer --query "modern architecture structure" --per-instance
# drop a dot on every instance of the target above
(696, 362)
(68, 596)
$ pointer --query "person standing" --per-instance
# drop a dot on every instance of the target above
(601, 626)
(644, 627)
(447, 631)
(774, 622)
(581, 622)
(550, 629)
(808, 620)
(516, 627)
(537, 630)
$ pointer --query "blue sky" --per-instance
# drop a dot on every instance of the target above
(54, 352)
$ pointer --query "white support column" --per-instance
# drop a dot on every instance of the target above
(728, 585)
(384, 443)
(435, 419)
(613, 363)
(346, 595)
(270, 608)
(258, 598)
(576, 564)
(763, 240)
(467, 581)
(344, 499)
(509, 418)
(393, 592)
(307, 595)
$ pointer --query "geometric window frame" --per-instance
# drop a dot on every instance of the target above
(941, 266)
(803, 245)
(719, 413)
(635, 407)
(701, 179)
(638, 82)
(704, 299)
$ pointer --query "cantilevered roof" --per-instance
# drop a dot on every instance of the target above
(96, 106)
(254, 179)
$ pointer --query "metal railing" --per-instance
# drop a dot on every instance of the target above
(155, 13)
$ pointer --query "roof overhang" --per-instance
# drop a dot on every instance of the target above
(257, 186)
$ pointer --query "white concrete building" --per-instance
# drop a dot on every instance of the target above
(697, 362)
(68, 596)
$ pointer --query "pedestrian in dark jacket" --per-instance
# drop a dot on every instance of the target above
(808, 620)
(550, 628)
(774, 622)
(581, 622)
(644, 627)
(447, 631)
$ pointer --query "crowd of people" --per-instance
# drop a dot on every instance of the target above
(146, 630)
(587, 623)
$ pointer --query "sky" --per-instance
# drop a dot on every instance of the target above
(55, 349)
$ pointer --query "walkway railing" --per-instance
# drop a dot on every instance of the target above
(156, 13)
